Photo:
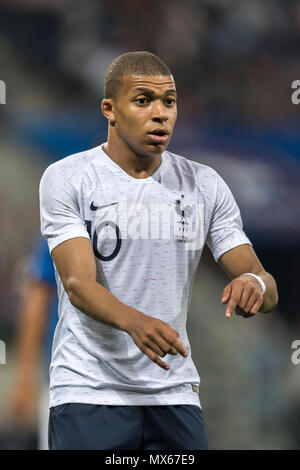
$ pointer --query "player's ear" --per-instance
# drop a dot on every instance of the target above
(107, 108)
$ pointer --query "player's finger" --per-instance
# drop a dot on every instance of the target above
(173, 351)
(166, 347)
(178, 346)
(248, 315)
(231, 307)
(174, 341)
(234, 300)
(247, 298)
(257, 305)
(251, 301)
(226, 294)
(254, 308)
(155, 347)
(155, 358)
(239, 311)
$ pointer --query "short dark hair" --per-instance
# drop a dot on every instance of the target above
(136, 63)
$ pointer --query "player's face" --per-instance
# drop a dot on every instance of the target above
(145, 113)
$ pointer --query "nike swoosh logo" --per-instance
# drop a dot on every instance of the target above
(95, 208)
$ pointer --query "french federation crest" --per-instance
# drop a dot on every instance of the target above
(183, 228)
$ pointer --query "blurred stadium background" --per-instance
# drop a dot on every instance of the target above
(234, 62)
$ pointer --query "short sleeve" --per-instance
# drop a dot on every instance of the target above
(59, 210)
(226, 228)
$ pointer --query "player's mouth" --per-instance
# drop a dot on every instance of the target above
(159, 135)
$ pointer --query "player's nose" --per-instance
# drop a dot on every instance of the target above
(159, 112)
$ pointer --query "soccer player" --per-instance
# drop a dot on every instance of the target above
(126, 223)
(38, 318)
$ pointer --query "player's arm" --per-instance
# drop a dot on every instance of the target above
(244, 293)
(75, 263)
(34, 307)
(232, 249)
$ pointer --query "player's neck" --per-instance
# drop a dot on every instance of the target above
(137, 166)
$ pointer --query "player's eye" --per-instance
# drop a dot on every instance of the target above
(142, 101)
(170, 101)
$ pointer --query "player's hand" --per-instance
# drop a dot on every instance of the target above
(244, 296)
(155, 338)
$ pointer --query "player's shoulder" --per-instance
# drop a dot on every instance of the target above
(70, 167)
(193, 168)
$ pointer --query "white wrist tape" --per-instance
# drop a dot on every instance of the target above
(262, 284)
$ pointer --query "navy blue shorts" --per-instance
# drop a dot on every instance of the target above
(105, 427)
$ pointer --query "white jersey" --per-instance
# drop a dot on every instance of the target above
(147, 236)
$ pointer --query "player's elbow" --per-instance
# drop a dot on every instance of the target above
(73, 287)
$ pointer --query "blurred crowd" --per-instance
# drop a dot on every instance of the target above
(228, 56)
